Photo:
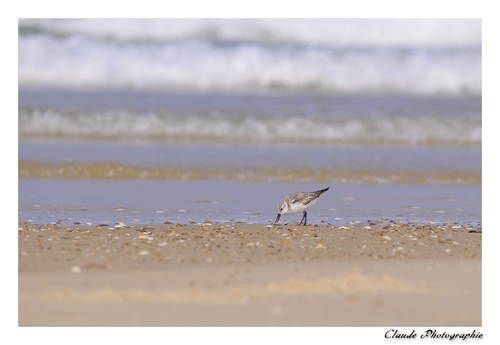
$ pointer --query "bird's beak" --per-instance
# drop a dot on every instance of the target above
(278, 218)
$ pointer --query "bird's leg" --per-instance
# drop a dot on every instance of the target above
(304, 218)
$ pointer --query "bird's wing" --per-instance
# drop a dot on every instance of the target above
(302, 198)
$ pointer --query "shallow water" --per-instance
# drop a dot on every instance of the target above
(390, 139)
(142, 178)
(157, 201)
(219, 156)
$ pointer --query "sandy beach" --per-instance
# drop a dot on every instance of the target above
(234, 274)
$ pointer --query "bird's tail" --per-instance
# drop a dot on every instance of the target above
(321, 191)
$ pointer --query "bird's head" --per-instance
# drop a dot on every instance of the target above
(280, 209)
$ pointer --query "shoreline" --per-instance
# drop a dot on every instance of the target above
(250, 275)
(116, 171)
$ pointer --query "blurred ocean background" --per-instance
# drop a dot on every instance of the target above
(186, 120)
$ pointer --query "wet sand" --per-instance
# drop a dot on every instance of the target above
(32, 169)
(372, 274)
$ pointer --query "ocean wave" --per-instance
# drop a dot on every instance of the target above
(334, 57)
(339, 32)
(202, 66)
(293, 129)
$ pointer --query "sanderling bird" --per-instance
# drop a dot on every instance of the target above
(299, 202)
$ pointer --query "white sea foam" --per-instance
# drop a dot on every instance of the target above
(429, 57)
(161, 126)
(345, 32)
